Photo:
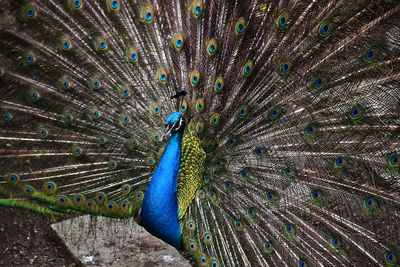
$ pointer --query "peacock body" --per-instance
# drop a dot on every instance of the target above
(283, 119)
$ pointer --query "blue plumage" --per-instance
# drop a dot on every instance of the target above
(160, 205)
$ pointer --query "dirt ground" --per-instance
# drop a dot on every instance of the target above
(26, 239)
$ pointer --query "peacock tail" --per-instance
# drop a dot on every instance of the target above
(290, 155)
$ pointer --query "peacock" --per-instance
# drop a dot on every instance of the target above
(249, 133)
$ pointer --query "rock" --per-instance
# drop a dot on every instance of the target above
(100, 241)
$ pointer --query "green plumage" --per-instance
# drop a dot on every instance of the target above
(291, 148)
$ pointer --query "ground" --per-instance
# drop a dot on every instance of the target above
(27, 240)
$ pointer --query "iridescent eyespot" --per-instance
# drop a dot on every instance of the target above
(13, 178)
(78, 200)
(49, 188)
(146, 14)
(124, 91)
(244, 174)
(285, 68)
(202, 260)
(212, 47)
(247, 68)
(139, 195)
(29, 58)
(199, 127)
(191, 246)
(190, 225)
(192, 126)
(77, 151)
(184, 106)
(369, 55)
(75, 4)
(101, 140)
(325, 29)
(393, 161)
(28, 12)
(207, 237)
(210, 146)
(1, 72)
(214, 262)
(62, 200)
(319, 82)
(317, 197)
(133, 143)
(110, 206)
(177, 41)
(43, 132)
(200, 105)
(302, 263)
(155, 137)
(28, 190)
(156, 109)
(100, 198)
(336, 242)
(369, 203)
(131, 55)
(94, 114)
(94, 83)
(113, 5)
(100, 43)
(252, 213)
(194, 78)
(311, 130)
(274, 114)
(214, 120)
(238, 225)
(112, 165)
(150, 161)
(289, 173)
(90, 205)
(124, 205)
(196, 8)
(390, 258)
(126, 189)
(63, 84)
(356, 114)
(268, 247)
(213, 196)
(65, 43)
(282, 21)
(242, 112)
(272, 198)
(231, 142)
(219, 84)
(290, 230)
(33, 96)
(240, 26)
(220, 163)
(162, 75)
(124, 119)
(7, 116)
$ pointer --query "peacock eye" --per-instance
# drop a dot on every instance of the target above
(219, 84)
(247, 68)
(177, 41)
(146, 14)
(242, 112)
(240, 27)
(325, 29)
(282, 20)
(194, 77)
(197, 8)
(212, 47)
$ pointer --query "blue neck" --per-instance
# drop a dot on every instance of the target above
(160, 204)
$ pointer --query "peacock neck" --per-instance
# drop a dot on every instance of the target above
(160, 205)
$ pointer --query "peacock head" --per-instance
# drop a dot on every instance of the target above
(174, 123)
